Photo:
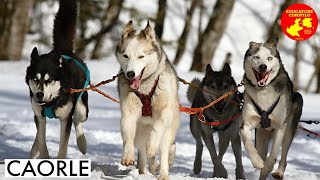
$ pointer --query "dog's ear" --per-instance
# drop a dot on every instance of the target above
(127, 29)
(208, 68)
(148, 32)
(34, 55)
(273, 41)
(252, 44)
(227, 69)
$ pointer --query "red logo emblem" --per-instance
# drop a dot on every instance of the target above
(299, 22)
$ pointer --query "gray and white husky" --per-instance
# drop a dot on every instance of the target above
(149, 101)
(270, 105)
(49, 76)
(217, 83)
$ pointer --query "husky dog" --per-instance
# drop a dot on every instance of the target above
(270, 105)
(149, 100)
(49, 76)
(214, 85)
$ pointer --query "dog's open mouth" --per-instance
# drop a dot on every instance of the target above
(135, 82)
(220, 106)
(261, 77)
(41, 103)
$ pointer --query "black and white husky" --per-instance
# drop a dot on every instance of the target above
(49, 76)
(270, 105)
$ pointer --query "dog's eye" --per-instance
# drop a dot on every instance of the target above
(212, 87)
(225, 87)
(270, 58)
(35, 79)
(49, 80)
(125, 56)
(256, 57)
(140, 57)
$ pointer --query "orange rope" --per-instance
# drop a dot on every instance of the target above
(182, 108)
(309, 132)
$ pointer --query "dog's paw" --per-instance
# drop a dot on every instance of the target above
(220, 171)
(127, 160)
(268, 165)
(197, 166)
(257, 162)
(163, 177)
(240, 173)
(153, 167)
(82, 144)
(277, 175)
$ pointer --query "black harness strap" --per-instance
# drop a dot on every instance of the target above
(265, 120)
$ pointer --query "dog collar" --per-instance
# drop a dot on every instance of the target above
(265, 120)
(48, 111)
(146, 99)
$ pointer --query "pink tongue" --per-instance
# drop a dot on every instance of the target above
(135, 83)
(262, 82)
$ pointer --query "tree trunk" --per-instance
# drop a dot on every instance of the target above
(112, 15)
(19, 28)
(184, 36)
(296, 66)
(162, 4)
(275, 29)
(318, 71)
(210, 38)
(14, 24)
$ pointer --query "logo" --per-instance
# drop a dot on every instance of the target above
(299, 22)
(48, 168)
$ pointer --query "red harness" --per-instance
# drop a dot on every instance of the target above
(146, 100)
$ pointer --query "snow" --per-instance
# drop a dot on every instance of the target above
(247, 23)
(17, 131)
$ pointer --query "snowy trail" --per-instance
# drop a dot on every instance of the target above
(17, 132)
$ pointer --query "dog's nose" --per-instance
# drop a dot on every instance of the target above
(40, 95)
(262, 68)
(131, 74)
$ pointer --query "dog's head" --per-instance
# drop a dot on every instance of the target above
(43, 76)
(262, 62)
(138, 54)
(218, 83)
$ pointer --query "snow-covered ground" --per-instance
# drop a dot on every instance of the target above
(249, 22)
(17, 131)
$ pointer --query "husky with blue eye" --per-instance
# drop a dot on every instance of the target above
(49, 76)
(270, 106)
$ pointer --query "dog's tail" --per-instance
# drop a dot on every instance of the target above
(64, 28)
(192, 91)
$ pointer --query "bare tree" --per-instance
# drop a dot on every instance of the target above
(275, 28)
(113, 11)
(14, 24)
(296, 66)
(184, 36)
(111, 16)
(210, 38)
(162, 5)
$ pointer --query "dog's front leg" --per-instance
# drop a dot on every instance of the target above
(65, 128)
(130, 114)
(255, 158)
(35, 146)
(41, 137)
(271, 160)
